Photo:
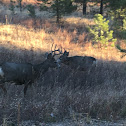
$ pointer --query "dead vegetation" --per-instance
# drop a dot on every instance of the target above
(62, 93)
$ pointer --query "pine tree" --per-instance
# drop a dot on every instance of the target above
(59, 7)
(101, 7)
(118, 11)
(84, 3)
(101, 31)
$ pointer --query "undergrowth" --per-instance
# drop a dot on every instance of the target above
(62, 93)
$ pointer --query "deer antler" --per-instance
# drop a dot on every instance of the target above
(56, 50)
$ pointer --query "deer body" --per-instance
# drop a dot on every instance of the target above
(16, 72)
(24, 73)
(81, 63)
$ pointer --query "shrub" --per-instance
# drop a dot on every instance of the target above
(101, 31)
(124, 23)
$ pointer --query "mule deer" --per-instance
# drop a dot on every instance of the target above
(24, 73)
(81, 63)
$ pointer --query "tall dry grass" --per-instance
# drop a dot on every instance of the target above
(100, 94)
(71, 35)
(17, 38)
(23, 1)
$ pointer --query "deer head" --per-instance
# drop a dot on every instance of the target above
(77, 62)
(25, 73)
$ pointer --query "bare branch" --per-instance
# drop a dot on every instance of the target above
(121, 50)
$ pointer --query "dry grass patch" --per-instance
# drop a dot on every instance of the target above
(22, 38)
(79, 21)
(17, 37)
(100, 94)
(24, 1)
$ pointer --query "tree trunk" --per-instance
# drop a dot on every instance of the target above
(101, 7)
(57, 12)
(20, 5)
(84, 6)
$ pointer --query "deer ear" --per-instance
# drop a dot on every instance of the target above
(66, 53)
(49, 56)
(46, 54)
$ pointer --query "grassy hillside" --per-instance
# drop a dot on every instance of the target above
(63, 92)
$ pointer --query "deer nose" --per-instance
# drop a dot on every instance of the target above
(95, 63)
(58, 63)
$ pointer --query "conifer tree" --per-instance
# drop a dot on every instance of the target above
(59, 7)
(84, 3)
(118, 11)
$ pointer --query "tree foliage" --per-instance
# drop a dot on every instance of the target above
(121, 50)
(117, 4)
(84, 3)
(31, 10)
(58, 7)
(118, 13)
(101, 31)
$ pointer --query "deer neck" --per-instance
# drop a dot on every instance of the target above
(42, 67)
